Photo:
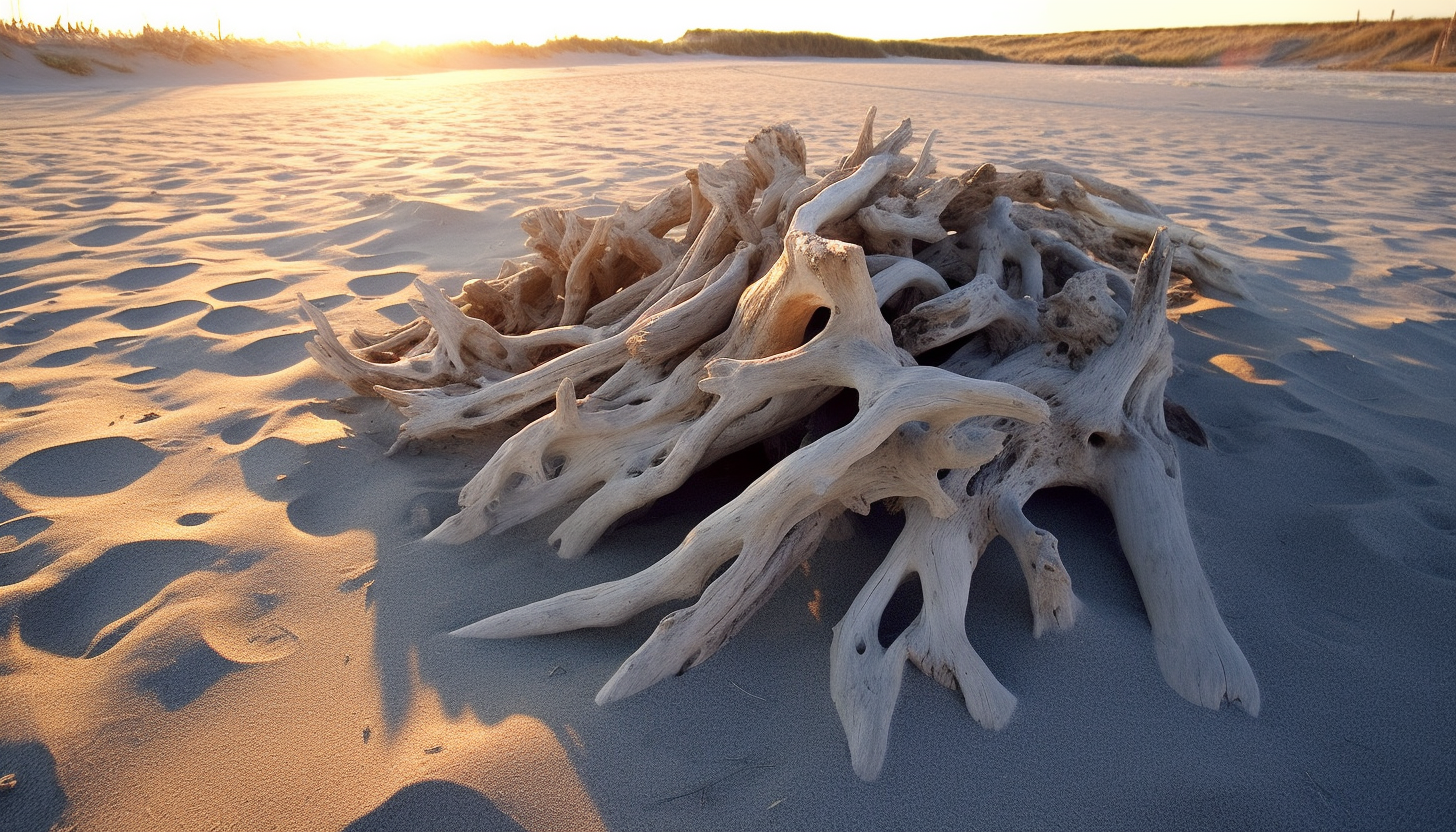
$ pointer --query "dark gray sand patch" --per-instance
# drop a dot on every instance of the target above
(112, 234)
(1354, 379)
(10, 244)
(330, 301)
(268, 355)
(263, 287)
(150, 277)
(378, 285)
(16, 531)
(36, 802)
(9, 510)
(83, 469)
(242, 430)
(240, 320)
(19, 398)
(175, 353)
(146, 317)
(146, 376)
(66, 618)
(1420, 271)
(20, 264)
(1331, 471)
(66, 358)
(196, 518)
(188, 677)
(42, 325)
(389, 260)
(435, 804)
(1308, 235)
(399, 313)
(28, 295)
(26, 559)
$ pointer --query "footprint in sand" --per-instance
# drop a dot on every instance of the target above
(65, 358)
(239, 320)
(113, 234)
(370, 262)
(146, 317)
(42, 325)
(263, 287)
(150, 277)
(268, 355)
(1332, 471)
(188, 677)
(83, 469)
(376, 261)
(146, 376)
(19, 556)
(36, 802)
(242, 430)
(1308, 235)
(67, 618)
(436, 804)
(379, 285)
(329, 302)
(398, 313)
(20, 398)
(16, 243)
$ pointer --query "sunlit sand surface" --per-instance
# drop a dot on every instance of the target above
(220, 613)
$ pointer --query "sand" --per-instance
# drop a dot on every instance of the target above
(220, 614)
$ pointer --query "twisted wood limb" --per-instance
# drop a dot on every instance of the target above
(735, 308)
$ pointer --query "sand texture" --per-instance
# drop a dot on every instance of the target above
(219, 612)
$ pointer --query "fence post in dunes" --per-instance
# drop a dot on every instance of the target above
(1443, 41)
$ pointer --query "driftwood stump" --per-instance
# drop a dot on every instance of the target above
(1003, 332)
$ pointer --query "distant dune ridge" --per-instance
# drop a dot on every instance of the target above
(84, 50)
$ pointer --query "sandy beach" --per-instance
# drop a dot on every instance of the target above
(220, 614)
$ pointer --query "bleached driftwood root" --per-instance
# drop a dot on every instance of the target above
(987, 325)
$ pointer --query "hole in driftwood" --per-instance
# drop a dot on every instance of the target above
(817, 322)
(723, 567)
(1097, 439)
(901, 610)
(936, 356)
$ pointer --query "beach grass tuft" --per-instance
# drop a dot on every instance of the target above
(66, 63)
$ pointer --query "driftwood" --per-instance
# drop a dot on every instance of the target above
(989, 329)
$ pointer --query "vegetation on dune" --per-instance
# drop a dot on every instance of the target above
(1397, 44)
(65, 63)
(755, 44)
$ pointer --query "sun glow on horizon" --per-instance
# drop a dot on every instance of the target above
(430, 22)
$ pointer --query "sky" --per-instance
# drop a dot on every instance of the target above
(415, 22)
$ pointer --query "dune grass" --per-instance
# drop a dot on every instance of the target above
(66, 63)
(1399, 44)
(754, 44)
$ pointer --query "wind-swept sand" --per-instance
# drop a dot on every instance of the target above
(221, 615)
